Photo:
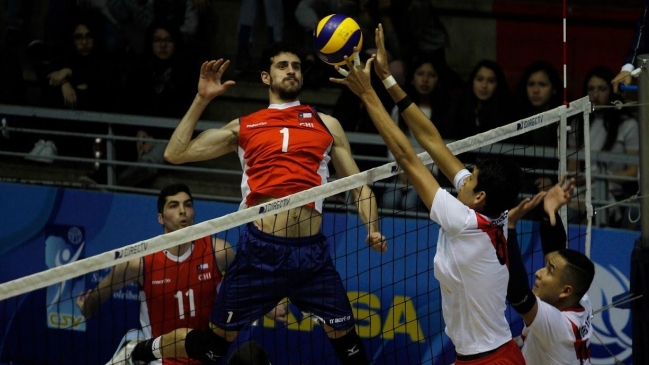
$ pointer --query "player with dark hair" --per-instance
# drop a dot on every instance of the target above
(471, 258)
(556, 311)
(191, 267)
(283, 149)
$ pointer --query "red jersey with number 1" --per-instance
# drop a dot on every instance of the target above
(179, 292)
(283, 150)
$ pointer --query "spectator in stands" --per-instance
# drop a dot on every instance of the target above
(274, 10)
(539, 90)
(159, 84)
(428, 89)
(136, 17)
(82, 79)
(611, 130)
(484, 104)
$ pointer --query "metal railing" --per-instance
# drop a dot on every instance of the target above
(111, 163)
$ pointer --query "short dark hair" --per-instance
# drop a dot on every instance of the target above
(578, 272)
(276, 48)
(170, 190)
(500, 178)
(249, 353)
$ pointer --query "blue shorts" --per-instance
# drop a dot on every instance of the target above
(269, 268)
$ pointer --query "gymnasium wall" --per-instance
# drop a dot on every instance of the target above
(395, 292)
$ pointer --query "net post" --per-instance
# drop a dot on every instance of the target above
(643, 100)
(589, 185)
(563, 160)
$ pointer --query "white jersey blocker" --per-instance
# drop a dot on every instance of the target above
(472, 281)
(552, 336)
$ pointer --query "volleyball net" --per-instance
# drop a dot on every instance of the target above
(394, 295)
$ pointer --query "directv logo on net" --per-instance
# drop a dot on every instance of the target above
(530, 122)
(128, 251)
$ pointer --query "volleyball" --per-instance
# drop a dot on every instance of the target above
(335, 37)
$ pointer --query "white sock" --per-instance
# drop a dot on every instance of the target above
(155, 347)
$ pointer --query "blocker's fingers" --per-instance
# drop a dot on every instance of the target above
(357, 59)
(343, 72)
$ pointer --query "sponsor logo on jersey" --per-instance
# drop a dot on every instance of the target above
(254, 125)
(203, 266)
(132, 250)
(340, 320)
(529, 122)
(161, 281)
(274, 205)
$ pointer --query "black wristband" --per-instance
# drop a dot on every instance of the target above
(404, 103)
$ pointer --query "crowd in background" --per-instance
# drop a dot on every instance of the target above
(143, 56)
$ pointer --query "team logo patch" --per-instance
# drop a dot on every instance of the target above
(203, 266)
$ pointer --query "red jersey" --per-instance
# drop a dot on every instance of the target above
(283, 151)
(179, 292)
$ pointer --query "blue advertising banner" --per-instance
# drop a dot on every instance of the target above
(394, 295)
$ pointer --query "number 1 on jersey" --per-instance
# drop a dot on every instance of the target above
(284, 131)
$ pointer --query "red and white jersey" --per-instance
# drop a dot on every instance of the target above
(471, 267)
(283, 150)
(559, 337)
(178, 292)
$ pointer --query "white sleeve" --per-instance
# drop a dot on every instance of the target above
(549, 325)
(629, 135)
(458, 180)
(451, 214)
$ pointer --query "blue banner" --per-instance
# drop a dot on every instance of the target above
(394, 295)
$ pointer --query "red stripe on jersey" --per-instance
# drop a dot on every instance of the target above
(581, 346)
(283, 151)
(497, 237)
(181, 294)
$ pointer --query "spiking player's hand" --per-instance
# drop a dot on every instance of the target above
(209, 83)
(377, 241)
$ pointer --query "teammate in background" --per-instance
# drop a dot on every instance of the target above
(556, 311)
(639, 46)
(471, 258)
(172, 282)
(284, 149)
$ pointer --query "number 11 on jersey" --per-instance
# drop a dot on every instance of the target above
(181, 304)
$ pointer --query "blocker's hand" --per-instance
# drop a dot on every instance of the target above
(358, 77)
(560, 194)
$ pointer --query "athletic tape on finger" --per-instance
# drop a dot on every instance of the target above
(357, 59)
(343, 72)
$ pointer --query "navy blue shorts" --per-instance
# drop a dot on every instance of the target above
(268, 268)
